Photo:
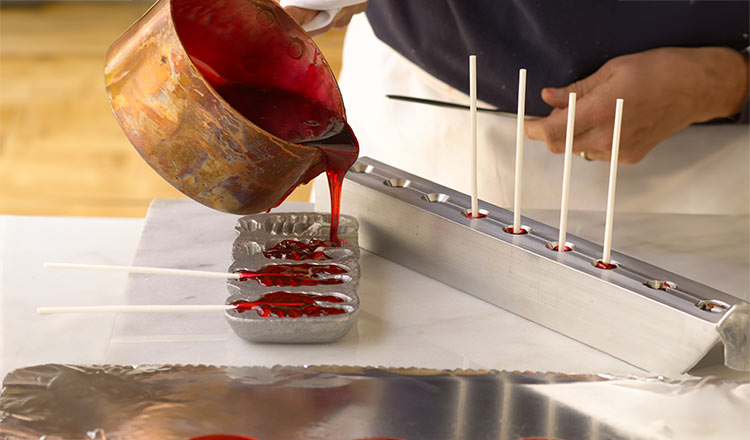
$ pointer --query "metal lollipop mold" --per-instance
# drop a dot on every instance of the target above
(257, 235)
(614, 309)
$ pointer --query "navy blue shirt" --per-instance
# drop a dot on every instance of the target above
(558, 42)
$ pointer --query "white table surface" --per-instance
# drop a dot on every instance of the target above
(406, 318)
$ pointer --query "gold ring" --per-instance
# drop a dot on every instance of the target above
(585, 155)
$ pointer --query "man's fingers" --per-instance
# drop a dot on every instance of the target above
(594, 143)
(598, 155)
(590, 117)
(301, 15)
(550, 129)
(557, 97)
(343, 18)
(597, 143)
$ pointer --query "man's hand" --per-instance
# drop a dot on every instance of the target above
(342, 19)
(665, 90)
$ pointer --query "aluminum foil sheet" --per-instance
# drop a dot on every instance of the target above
(261, 232)
(174, 402)
(168, 402)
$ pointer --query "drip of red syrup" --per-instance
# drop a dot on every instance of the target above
(291, 305)
(294, 275)
(340, 153)
(511, 230)
(297, 250)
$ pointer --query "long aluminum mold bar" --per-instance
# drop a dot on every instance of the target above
(661, 331)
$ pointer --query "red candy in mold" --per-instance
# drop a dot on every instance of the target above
(467, 214)
(297, 250)
(511, 230)
(291, 305)
(293, 275)
(606, 266)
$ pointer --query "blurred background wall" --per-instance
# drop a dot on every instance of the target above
(61, 150)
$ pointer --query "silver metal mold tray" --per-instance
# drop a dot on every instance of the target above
(258, 233)
(419, 224)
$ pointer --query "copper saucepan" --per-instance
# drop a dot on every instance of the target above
(172, 76)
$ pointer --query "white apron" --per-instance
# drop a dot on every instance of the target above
(701, 170)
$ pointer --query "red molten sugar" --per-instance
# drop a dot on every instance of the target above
(294, 275)
(340, 153)
(298, 250)
(291, 305)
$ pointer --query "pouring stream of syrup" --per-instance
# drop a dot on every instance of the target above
(280, 83)
(297, 119)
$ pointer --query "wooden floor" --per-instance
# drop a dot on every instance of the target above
(61, 150)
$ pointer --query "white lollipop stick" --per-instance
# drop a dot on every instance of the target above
(612, 184)
(135, 309)
(146, 270)
(473, 129)
(566, 171)
(519, 149)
